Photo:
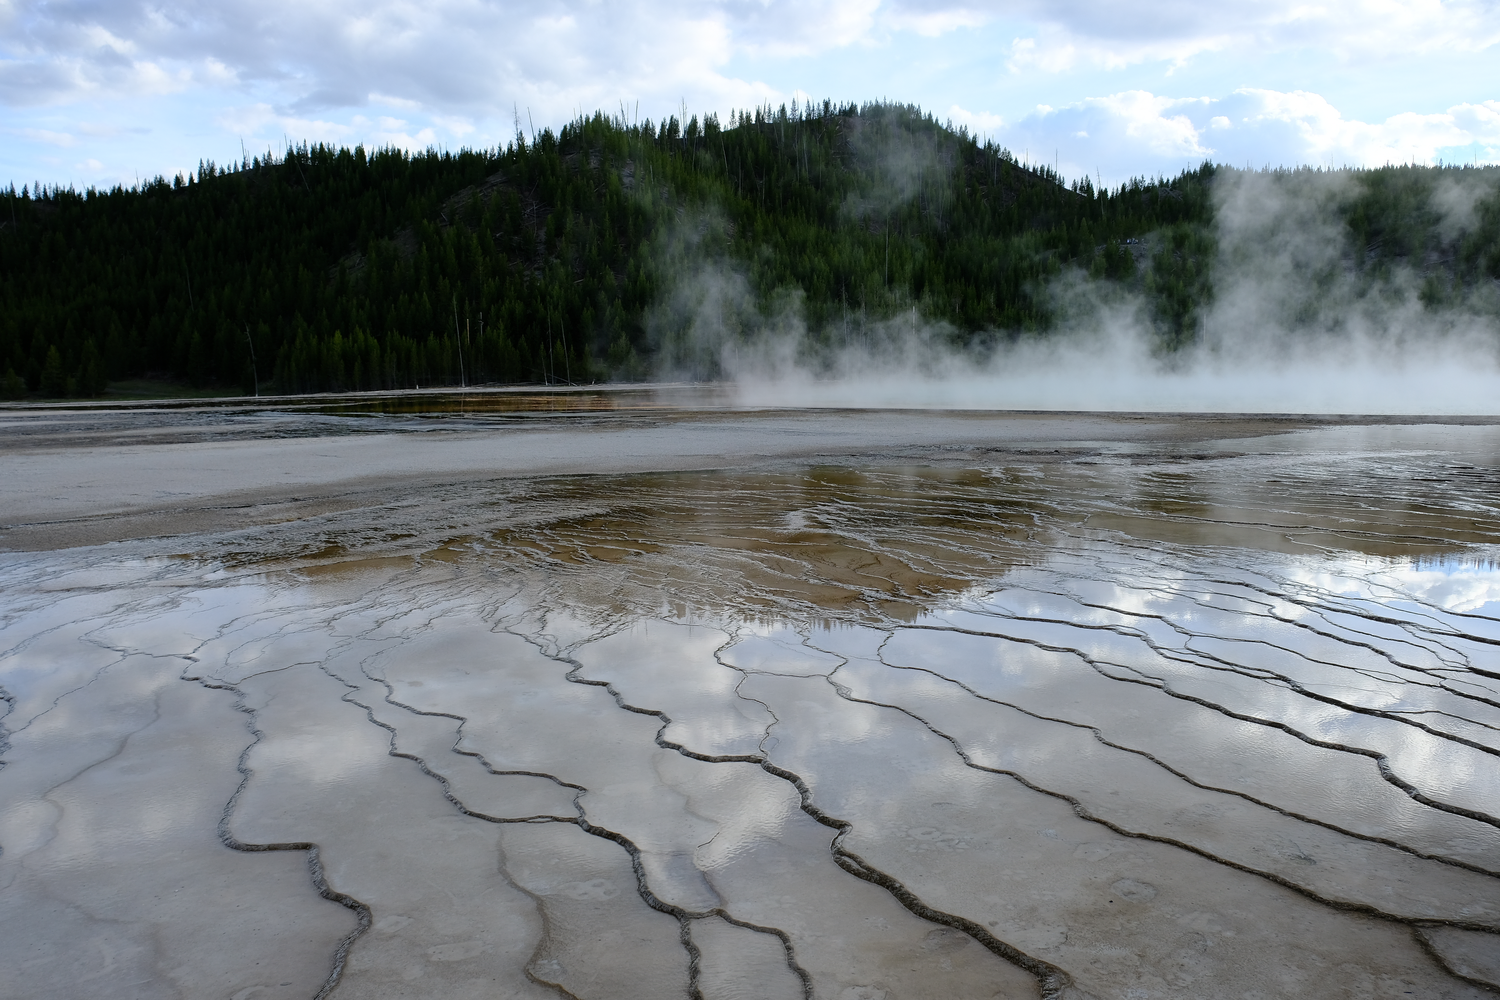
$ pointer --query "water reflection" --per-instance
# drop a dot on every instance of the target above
(1132, 728)
(534, 400)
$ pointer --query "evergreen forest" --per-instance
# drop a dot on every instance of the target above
(592, 253)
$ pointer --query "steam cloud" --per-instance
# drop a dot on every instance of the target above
(1295, 327)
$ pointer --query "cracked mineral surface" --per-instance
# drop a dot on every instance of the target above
(628, 701)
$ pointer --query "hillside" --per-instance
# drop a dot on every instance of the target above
(624, 250)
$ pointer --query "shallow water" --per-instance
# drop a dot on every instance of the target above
(1140, 725)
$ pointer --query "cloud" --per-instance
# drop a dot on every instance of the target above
(460, 57)
(1251, 126)
(452, 70)
(108, 131)
(935, 22)
(1151, 132)
(1113, 35)
(1306, 128)
(1327, 137)
(263, 119)
(982, 122)
(49, 137)
(471, 57)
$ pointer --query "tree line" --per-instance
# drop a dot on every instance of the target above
(556, 258)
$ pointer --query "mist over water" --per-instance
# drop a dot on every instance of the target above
(1299, 322)
(1116, 369)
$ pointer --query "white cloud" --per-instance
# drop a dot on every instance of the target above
(456, 127)
(263, 119)
(779, 28)
(1314, 131)
(932, 23)
(462, 55)
(1250, 127)
(451, 70)
(1111, 34)
(1055, 58)
(448, 56)
(107, 130)
(48, 136)
(1160, 124)
(391, 100)
(1057, 49)
(981, 122)
(1150, 131)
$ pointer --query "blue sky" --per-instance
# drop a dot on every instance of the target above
(96, 92)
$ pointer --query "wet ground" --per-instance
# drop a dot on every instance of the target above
(672, 700)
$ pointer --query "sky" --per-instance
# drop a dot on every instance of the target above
(104, 92)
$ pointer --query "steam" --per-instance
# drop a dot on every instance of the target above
(898, 162)
(1297, 325)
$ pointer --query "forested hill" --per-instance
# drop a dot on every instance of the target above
(599, 252)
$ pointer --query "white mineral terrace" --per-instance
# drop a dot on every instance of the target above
(625, 699)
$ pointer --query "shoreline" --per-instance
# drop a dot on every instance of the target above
(88, 477)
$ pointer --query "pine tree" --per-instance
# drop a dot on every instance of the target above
(12, 386)
(561, 258)
(54, 382)
(90, 378)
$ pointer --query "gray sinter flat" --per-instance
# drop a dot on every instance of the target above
(1122, 716)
